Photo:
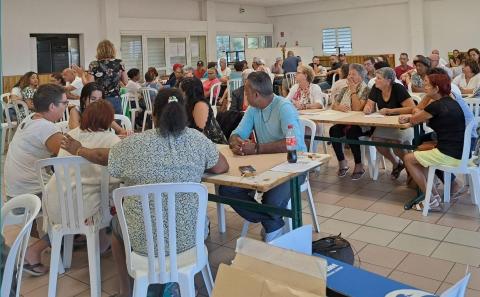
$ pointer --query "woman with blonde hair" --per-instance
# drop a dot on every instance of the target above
(106, 71)
(304, 94)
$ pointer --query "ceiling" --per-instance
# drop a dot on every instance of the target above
(266, 3)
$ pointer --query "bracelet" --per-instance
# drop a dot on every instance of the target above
(78, 150)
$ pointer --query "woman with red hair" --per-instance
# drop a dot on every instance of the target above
(446, 118)
(176, 75)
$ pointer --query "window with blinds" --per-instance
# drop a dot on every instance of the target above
(156, 53)
(131, 49)
(198, 49)
(334, 38)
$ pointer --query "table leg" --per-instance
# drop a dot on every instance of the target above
(222, 226)
(296, 203)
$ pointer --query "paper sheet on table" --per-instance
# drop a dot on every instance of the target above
(374, 115)
(302, 165)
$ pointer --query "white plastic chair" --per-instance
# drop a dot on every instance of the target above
(3, 96)
(334, 78)
(305, 187)
(157, 267)
(214, 94)
(149, 106)
(14, 262)
(372, 160)
(8, 126)
(474, 105)
(464, 168)
(233, 84)
(125, 102)
(71, 208)
(26, 112)
(124, 121)
(290, 76)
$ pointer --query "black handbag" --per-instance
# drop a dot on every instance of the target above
(228, 121)
(335, 247)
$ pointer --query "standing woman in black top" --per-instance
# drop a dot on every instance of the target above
(199, 112)
(391, 99)
(106, 71)
(446, 118)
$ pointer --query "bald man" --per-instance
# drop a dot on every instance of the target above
(441, 61)
(74, 85)
(435, 62)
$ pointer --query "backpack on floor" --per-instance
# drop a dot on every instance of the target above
(335, 247)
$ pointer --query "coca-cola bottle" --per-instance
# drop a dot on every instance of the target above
(291, 142)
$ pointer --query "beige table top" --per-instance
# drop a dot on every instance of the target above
(355, 118)
(264, 180)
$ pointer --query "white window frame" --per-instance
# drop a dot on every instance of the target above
(337, 41)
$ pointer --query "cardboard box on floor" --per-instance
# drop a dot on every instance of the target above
(263, 270)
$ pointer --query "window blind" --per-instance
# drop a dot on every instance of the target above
(131, 49)
(337, 37)
(156, 52)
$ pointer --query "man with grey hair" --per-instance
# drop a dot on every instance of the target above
(224, 71)
(238, 95)
(271, 115)
(74, 85)
(435, 62)
(188, 71)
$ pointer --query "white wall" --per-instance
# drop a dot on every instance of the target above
(95, 20)
(382, 26)
(23, 17)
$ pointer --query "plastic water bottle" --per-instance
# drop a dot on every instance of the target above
(291, 142)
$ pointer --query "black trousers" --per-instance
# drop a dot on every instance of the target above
(351, 132)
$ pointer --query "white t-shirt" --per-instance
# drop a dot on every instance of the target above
(133, 88)
(78, 85)
(316, 94)
(28, 145)
(225, 72)
(461, 82)
(17, 92)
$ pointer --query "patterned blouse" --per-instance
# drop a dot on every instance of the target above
(107, 73)
(28, 92)
(148, 158)
(417, 80)
(345, 96)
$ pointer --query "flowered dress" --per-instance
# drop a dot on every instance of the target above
(107, 73)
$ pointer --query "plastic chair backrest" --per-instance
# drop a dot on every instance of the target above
(466, 145)
(14, 262)
(125, 102)
(334, 78)
(157, 260)
(26, 111)
(474, 105)
(313, 130)
(124, 122)
(290, 79)
(5, 108)
(63, 125)
(68, 173)
(214, 93)
(147, 98)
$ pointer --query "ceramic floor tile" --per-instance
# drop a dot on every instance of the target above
(380, 186)
(327, 198)
(107, 270)
(357, 245)
(465, 237)
(390, 208)
(420, 282)
(388, 222)
(436, 269)
(30, 283)
(457, 253)
(111, 285)
(222, 238)
(86, 293)
(414, 215)
(427, 230)
(458, 272)
(374, 235)
(341, 189)
(368, 193)
(66, 287)
(353, 215)
(468, 293)
(459, 221)
(382, 256)
(333, 226)
(355, 202)
(323, 209)
(464, 210)
(414, 244)
(383, 271)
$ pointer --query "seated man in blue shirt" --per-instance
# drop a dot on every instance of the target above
(270, 115)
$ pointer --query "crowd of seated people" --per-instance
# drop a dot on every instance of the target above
(187, 131)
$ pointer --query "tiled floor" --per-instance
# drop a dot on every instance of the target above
(429, 253)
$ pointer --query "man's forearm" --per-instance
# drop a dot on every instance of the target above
(98, 156)
(272, 147)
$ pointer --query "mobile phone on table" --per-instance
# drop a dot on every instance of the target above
(247, 170)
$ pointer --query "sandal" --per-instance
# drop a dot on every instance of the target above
(31, 269)
(342, 172)
(435, 205)
(414, 201)
(358, 175)
(397, 170)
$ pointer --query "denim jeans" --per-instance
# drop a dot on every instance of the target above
(278, 196)
(117, 103)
